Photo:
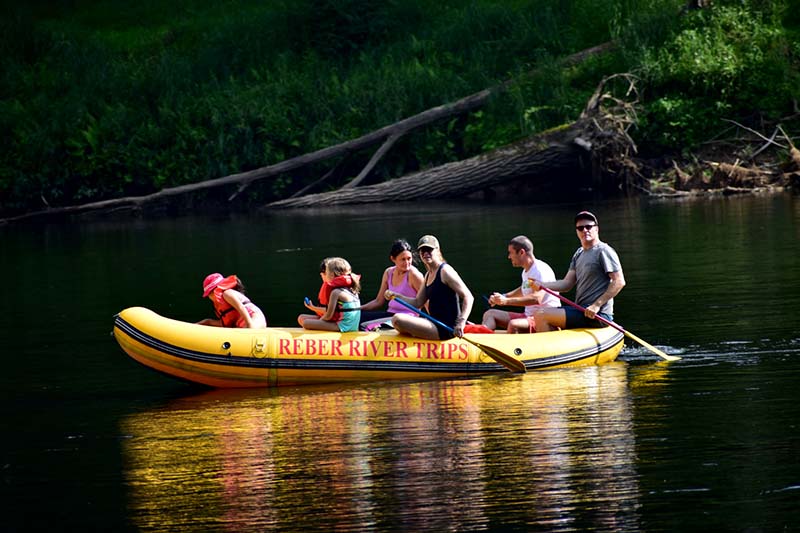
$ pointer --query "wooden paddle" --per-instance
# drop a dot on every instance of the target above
(615, 326)
(508, 361)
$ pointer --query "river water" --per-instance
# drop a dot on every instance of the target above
(93, 441)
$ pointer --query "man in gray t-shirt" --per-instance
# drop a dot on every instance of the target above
(596, 273)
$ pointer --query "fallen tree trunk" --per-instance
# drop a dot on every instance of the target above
(533, 157)
(580, 155)
(245, 179)
(386, 136)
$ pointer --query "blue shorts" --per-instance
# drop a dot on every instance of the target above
(576, 319)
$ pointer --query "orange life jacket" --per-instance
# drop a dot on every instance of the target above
(225, 311)
(337, 283)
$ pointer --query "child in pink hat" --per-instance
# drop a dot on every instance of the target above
(233, 308)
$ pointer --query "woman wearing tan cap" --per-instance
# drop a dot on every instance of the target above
(448, 298)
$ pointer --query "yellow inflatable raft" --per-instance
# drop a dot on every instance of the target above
(274, 357)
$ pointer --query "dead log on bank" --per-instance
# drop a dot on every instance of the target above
(744, 164)
(386, 136)
(245, 179)
(533, 157)
(593, 148)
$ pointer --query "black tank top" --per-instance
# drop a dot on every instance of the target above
(442, 300)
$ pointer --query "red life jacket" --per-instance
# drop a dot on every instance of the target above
(337, 283)
(225, 311)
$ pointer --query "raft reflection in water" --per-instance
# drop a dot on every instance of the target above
(552, 448)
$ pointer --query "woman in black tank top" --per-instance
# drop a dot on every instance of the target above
(447, 296)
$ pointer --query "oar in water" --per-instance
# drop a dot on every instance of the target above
(615, 326)
(508, 361)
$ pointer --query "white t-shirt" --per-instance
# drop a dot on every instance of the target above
(541, 271)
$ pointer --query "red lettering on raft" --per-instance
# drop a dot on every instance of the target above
(464, 352)
(427, 350)
(375, 347)
(311, 347)
(355, 348)
(392, 349)
(418, 346)
(433, 349)
(336, 347)
(401, 348)
(452, 348)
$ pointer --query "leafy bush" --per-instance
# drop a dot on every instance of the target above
(101, 98)
(732, 61)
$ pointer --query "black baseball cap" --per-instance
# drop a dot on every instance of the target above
(586, 215)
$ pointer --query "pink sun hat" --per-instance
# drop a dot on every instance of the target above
(211, 282)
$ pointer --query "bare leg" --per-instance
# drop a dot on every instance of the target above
(303, 318)
(549, 318)
(317, 324)
(495, 319)
(520, 325)
(415, 326)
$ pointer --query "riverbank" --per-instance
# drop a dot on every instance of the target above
(104, 102)
(707, 173)
(721, 171)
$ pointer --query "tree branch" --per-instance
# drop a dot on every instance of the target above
(385, 147)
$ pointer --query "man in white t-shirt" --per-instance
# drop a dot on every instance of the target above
(520, 252)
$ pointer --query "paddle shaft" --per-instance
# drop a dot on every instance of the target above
(576, 306)
(423, 314)
(613, 325)
(511, 363)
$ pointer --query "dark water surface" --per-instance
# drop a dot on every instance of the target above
(92, 441)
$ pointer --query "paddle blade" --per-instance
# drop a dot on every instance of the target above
(615, 326)
(652, 348)
(508, 361)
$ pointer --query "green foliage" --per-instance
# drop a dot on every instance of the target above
(732, 61)
(102, 98)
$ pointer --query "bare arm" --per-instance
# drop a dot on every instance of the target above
(616, 285)
(562, 285)
(319, 310)
(234, 298)
(451, 278)
(497, 298)
(517, 298)
(331, 309)
(417, 301)
(415, 278)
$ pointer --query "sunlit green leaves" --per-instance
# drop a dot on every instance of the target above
(103, 98)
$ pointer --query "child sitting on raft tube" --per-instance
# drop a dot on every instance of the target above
(233, 308)
(340, 292)
(324, 292)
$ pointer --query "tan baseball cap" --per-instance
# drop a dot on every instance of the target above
(428, 240)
